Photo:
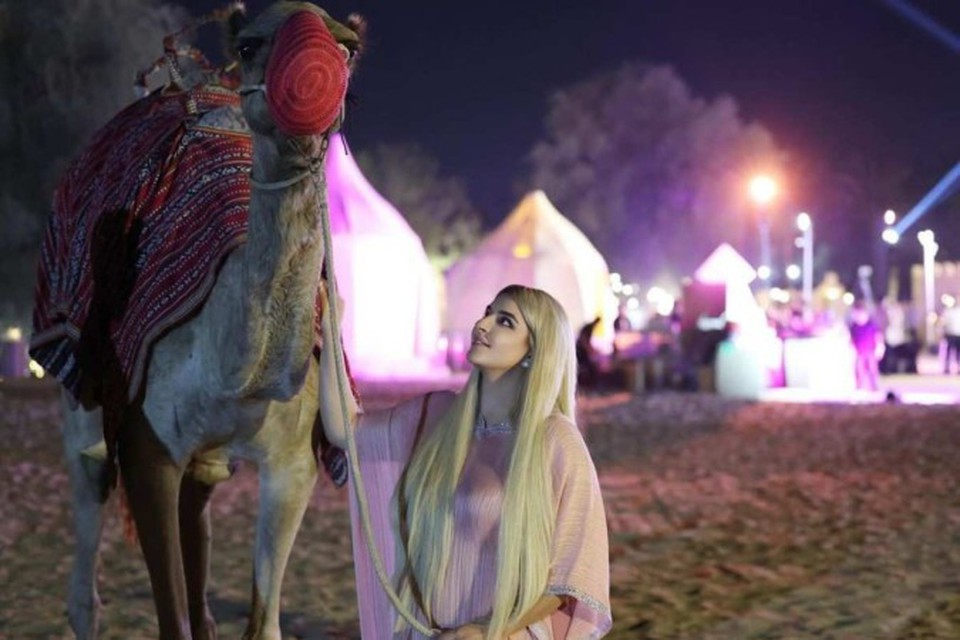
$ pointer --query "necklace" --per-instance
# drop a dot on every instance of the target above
(483, 430)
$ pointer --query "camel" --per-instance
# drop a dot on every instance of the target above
(235, 380)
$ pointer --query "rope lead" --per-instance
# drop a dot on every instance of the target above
(360, 491)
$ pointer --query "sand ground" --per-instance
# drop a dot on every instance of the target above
(728, 519)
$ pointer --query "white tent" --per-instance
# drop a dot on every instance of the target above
(744, 361)
(535, 246)
(391, 321)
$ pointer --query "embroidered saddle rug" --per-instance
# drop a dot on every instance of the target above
(140, 224)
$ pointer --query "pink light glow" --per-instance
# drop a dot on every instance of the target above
(391, 322)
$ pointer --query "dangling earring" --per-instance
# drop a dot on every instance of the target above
(525, 363)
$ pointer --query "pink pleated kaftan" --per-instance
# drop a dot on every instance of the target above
(579, 572)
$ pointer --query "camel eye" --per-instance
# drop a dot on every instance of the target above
(247, 49)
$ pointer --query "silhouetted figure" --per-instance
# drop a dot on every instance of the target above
(900, 354)
(588, 374)
(622, 321)
(951, 335)
(868, 344)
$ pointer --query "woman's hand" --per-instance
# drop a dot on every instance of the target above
(466, 632)
(325, 299)
(332, 405)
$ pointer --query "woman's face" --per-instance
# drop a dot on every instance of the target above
(500, 339)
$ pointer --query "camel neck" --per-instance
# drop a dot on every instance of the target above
(276, 293)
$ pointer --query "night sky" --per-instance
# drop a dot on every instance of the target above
(470, 81)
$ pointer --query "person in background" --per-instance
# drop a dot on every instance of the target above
(485, 504)
(622, 322)
(868, 346)
(950, 321)
(588, 371)
(898, 354)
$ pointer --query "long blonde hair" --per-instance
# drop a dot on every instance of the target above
(426, 496)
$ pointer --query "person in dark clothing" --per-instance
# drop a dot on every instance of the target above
(588, 374)
(622, 321)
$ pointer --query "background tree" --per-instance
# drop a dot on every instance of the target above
(66, 67)
(436, 206)
(655, 176)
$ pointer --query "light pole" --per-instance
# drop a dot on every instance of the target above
(930, 248)
(891, 237)
(805, 225)
(889, 276)
(763, 189)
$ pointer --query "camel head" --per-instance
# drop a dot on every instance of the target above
(295, 61)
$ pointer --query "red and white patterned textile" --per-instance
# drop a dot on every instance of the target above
(141, 222)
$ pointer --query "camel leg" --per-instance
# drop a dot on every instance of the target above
(287, 478)
(81, 430)
(195, 538)
(152, 482)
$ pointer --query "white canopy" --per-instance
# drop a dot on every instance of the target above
(535, 246)
(391, 322)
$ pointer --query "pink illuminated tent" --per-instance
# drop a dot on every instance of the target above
(728, 268)
(391, 321)
(535, 246)
(747, 360)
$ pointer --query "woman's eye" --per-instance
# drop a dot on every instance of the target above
(505, 321)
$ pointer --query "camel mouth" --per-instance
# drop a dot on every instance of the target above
(246, 89)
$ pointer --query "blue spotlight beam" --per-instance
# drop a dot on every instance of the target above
(925, 22)
(952, 41)
(935, 195)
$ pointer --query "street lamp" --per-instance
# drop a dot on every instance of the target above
(930, 248)
(805, 225)
(763, 189)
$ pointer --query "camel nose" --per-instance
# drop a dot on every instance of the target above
(306, 76)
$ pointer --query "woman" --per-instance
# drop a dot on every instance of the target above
(485, 505)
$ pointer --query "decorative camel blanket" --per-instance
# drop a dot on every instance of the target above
(141, 223)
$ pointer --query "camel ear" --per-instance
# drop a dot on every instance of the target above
(234, 23)
(358, 24)
(350, 35)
